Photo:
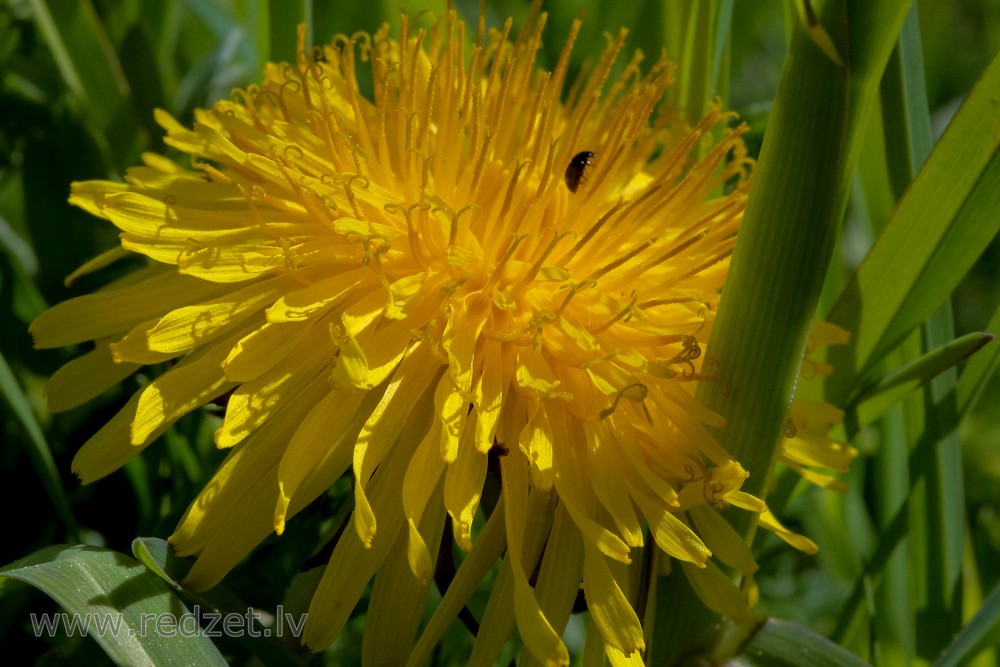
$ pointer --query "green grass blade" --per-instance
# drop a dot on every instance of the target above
(790, 226)
(36, 447)
(906, 115)
(159, 557)
(719, 81)
(789, 230)
(918, 465)
(223, 24)
(979, 369)
(949, 214)
(696, 36)
(696, 61)
(104, 586)
(937, 504)
(28, 301)
(784, 644)
(285, 18)
(85, 56)
(937, 534)
(978, 634)
(90, 69)
(876, 398)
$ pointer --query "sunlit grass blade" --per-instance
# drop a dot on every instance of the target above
(36, 447)
(104, 586)
(157, 555)
(873, 400)
(949, 214)
(262, 639)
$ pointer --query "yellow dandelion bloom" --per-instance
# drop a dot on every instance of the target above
(478, 263)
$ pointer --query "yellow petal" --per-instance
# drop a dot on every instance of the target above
(619, 659)
(85, 378)
(726, 544)
(452, 409)
(246, 470)
(353, 562)
(185, 328)
(813, 451)
(109, 448)
(398, 599)
(827, 482)
(321, 448)
(102, 261)
(535, 629)
(717, 591)
(384, 350)
(498, 621)
(606, 476)
(671, 534)
(800, 542)
(819, 412)
(255, 401)
(536, 442)
(487, 548)
(464, 486)
(408, 385)
(241, 518)
(825, 333)
(358, 324)
(609, 608)
(89, 195)
(264, 347)
(143, 216)
(146, 294)
(573, 495)
(419, 484)
(312, 301)
(561, 571)
(188, 385)
(488, 397)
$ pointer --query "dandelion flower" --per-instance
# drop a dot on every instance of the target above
(478, 263)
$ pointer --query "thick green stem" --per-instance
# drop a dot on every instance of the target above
(792, 219)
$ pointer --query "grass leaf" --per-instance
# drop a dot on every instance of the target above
(106, 587)
(948, 216)
(876, 398)
(978, 634)
(36, 447)
(784, 644)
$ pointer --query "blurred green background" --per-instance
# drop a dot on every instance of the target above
(78, 85)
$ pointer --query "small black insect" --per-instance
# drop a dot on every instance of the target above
(574, 172)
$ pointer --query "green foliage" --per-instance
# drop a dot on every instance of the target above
(909, 553)
(144, 620)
